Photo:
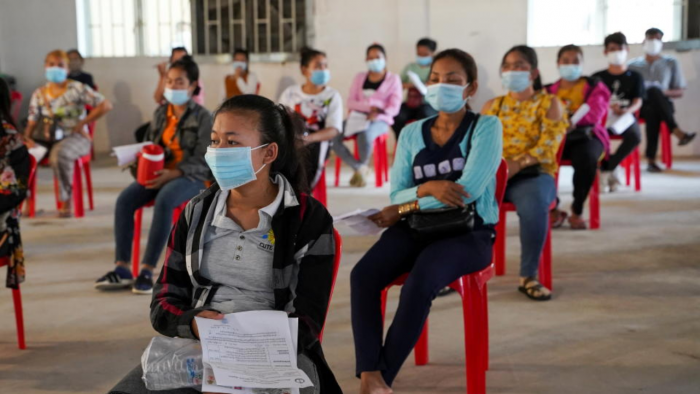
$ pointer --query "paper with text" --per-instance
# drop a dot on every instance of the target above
(580, 113)
(618, 124)
(358, 221)
(417, 83)
(356, 122)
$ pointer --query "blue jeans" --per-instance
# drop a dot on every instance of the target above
(365, 141)
(532, 197)
(135, 196)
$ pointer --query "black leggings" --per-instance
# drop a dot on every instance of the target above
(657, 108)
(584, 156)
(630, 139)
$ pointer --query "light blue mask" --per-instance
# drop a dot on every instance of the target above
(232, 167)
(56, 74)
(320, 77)
(515, 81)
(376, 65)
(242, 65)
(176, 96)
(571, 72)
(445, 97)
(424, 60)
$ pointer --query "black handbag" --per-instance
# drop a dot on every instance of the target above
(583, 133)
(46, 125)
(431, 224)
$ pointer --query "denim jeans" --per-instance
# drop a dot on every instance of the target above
(365, 142)
(167, 198)
(532, 197)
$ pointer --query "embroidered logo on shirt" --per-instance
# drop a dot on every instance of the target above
(270, 244)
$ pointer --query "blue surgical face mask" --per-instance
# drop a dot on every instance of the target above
(56, 74)
(232, 167)
(424, 60)
(516, 81)
(445, 97)
(320, 77)
(571, 72)
(376, 65)
(177, 96)
(242, 65)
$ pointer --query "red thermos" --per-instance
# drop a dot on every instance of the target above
(151, 160)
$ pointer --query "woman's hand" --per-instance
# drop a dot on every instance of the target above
(513, 167)
(164, 176)
(388, 217)
(80, 129)
(207, 315)
(29, 142)
(447, 192)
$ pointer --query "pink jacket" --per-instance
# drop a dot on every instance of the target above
(599, 101)
(388, 97)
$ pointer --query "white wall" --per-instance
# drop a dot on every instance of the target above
(342, 28)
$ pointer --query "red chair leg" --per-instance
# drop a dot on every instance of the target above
(546, 261)
(136, 248)
(500, 262)
(484, 326)
(666, 149)
(320, 193)
(476, 375)
(78, 205)
(19, 318)
(594, 197)
(637, 170)
(385, 158)
(378, 176)
(627, 163)
(88, 185)
(421, 350)
(338, 162)
(32, 197)
(383, 301)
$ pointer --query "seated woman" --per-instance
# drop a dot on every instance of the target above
(15, 167)
(377, 94)
(258, 200)
(445, 161)
(182, 127)
(587, 140)
(533, 128)
(61, 103)
(159, 94)
(242, 81)
(320, 106)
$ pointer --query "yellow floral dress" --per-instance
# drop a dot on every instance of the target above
(527, 130)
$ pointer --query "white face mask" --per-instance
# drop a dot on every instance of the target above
(617, 58)
(653, 46)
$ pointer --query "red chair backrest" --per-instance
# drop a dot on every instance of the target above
(501, 181)
(336, 267)
(16, 103)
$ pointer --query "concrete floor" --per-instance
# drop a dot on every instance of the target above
(625, 317)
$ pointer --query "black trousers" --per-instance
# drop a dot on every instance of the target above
(407, 114)
(630, 139)
(657, 108)
(584, 155)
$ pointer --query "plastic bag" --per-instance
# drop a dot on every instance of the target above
(172, 363)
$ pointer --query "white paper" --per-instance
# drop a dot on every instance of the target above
(580, 113)
(251, 349)
(126, 154)
(417, 83)
(355, 123)
(618, 124)
(358, 221)
(38, 151)
(213, 388)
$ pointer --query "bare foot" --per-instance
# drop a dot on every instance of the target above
(373, 383)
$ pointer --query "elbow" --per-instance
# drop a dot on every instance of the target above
(106, 106)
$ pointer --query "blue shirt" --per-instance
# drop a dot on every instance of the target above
(478, 175)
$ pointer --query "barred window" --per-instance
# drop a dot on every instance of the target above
(261, 26)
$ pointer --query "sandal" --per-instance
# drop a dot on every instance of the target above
(64, 211)
(557, 218)
(533, 289)
(577, 223)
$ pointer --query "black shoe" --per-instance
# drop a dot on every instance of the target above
(686, 139)
(113, 281)
(143, 284)
(653, 168)
(446, 291)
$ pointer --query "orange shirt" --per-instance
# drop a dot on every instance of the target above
(170, 139)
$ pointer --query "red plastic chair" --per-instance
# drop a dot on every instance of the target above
(473, 290)
(320, 191)
(31, 187)
(666, 146)
(381, 160)
(631, 163)
(136, 245)
(336, 266)
(19, 316)
(15, 104)
(593, 197)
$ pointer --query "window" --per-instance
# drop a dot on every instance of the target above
(261, 26)
(587, 22)
(121, 28)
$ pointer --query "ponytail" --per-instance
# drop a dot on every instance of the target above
(278, 124)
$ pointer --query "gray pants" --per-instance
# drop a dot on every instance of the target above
(365, 141)
(133, 384)
(62, 158)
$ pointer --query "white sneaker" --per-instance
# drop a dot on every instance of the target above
(613, 180)
(604, 180)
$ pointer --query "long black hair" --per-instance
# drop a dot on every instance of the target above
(308, 54)
(278, 124)
(188, 65)
(531, 57)
(6, 103)
(463, 58)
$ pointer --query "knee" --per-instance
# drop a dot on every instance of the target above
(633, 135)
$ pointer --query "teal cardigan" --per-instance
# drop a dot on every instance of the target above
(478, 176)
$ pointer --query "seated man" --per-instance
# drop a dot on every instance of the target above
(664, 81)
